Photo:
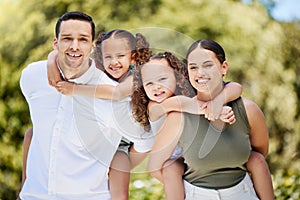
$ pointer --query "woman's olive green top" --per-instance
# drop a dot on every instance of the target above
(224, 165)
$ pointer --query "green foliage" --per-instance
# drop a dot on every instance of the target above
(143, 187)
(287, 184)
(263, 56)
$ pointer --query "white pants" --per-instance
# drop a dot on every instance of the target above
(242, 191)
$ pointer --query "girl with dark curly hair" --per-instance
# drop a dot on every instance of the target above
(162, 86)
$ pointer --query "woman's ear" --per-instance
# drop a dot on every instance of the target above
(224, 67)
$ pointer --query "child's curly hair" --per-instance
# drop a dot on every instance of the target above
(139, 97)
(138, 44)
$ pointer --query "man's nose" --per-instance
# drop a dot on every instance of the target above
(75, 45)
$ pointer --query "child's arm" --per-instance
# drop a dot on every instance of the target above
(178, 103)
(54, 75)
(232, 91)
(99, 91)
(185, 104)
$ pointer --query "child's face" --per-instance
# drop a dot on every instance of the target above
(158, 80)
(116, 57)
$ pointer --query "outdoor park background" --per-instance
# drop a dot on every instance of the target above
(263, 55)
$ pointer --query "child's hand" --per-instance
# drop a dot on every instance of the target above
(227, 115)
(213, 109)
(52, 69)
(66, 88)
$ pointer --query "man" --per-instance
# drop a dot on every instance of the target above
(73, 144)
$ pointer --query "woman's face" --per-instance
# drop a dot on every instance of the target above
(206, 72)
(158, 80)
(116, 57)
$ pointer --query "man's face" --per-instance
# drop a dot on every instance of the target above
(74, 45)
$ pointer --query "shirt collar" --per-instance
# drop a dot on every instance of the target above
(84, 78)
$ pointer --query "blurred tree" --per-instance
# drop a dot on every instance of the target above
(262, 53)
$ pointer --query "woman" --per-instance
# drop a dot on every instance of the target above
(221, 174)
(215, 153)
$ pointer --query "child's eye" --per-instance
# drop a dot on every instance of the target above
(162, 79)
(148, 84)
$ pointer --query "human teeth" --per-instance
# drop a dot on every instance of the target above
(74, 55)
(201, 81)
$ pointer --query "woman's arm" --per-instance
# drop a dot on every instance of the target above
(99, 91)
(165, 142)
(259, 137)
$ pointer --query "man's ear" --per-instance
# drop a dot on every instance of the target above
(55, 44)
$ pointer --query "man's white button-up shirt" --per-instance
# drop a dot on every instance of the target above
(73, 140)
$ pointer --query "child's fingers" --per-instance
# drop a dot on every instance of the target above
(231, 119)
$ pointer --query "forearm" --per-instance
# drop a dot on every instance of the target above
(53, 72)
(178, 104)
(26, 144)
(108, 92)
(165, 142)
(231, 92)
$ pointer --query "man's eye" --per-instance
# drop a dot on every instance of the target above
(83, 40)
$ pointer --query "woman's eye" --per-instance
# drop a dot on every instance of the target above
(207, 66)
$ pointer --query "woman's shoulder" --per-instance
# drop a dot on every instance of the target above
(252, 109)
(249, 104)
